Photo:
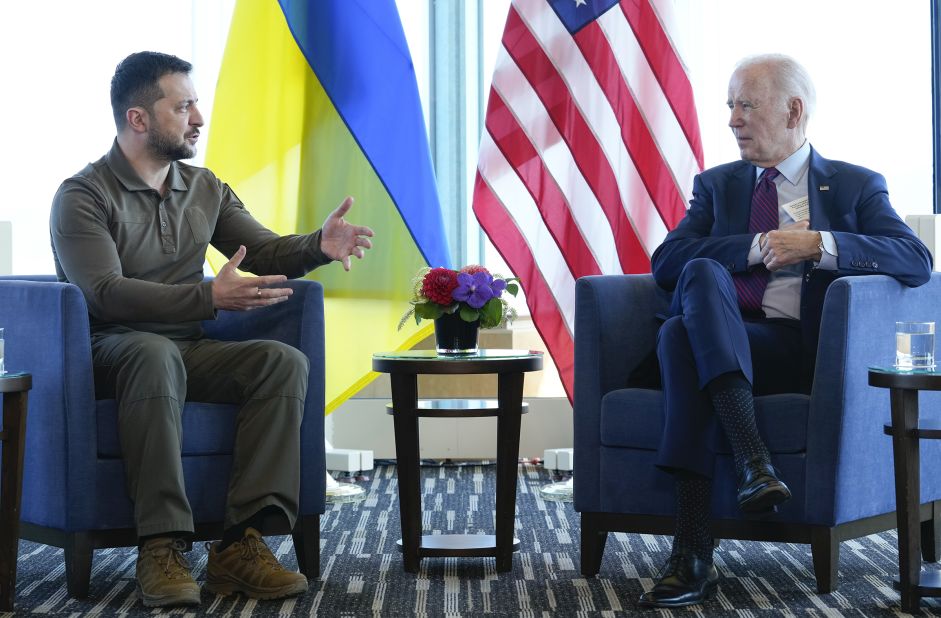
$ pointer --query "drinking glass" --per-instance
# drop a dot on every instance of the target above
(2, 371)
(914, 345)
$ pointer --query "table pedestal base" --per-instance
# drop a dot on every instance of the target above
(458, 545)
(929, 584)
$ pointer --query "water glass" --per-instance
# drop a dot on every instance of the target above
(914, 345)
(2, 371)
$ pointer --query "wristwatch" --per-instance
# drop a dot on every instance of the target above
(821, 247)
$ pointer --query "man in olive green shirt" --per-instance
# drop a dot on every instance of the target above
(131, 230)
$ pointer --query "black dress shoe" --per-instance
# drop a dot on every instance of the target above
(683, 580)
(759, 488)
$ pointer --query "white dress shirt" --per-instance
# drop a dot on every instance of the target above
(782, 297)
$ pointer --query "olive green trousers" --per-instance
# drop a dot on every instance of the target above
(151, 376)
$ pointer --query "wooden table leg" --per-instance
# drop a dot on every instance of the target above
(510, 396)
(905, 452)
(405, 420)
(11, 488)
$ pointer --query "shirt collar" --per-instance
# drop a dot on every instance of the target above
(794, 167)
(122, 169)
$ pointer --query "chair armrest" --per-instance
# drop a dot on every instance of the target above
(47, 334)
(615, 330)
(846, 448)
(298, 322)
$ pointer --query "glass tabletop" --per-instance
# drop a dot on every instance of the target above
(893, 370)
(906, 379)
(15, 381)
(9, 375)
(483, 354)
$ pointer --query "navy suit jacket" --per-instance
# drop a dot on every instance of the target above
(850, 201)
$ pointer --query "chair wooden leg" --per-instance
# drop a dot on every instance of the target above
(78, 559)
(306, 536)
(593, 541)
(825, 548)
(931, 534)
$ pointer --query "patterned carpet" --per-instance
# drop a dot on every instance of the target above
(361, 569)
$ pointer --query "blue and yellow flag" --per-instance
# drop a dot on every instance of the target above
(318, 100)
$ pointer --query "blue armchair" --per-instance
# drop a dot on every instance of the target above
(829, 446)
(74, 493)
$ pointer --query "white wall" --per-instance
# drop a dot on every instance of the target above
(58, 59)
(871, 64)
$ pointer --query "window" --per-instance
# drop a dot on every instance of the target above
(58, 61)
(871, 63)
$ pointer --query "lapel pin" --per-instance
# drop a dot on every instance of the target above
(824, 187)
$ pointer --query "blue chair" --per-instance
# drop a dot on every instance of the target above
(829, 446)
(74, 493)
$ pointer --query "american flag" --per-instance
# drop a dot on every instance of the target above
(590, 149)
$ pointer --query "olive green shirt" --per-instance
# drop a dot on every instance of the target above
(138, 256)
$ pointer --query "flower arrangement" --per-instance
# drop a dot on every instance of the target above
(472, 292)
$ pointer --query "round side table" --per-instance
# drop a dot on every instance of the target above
(14, 387)
(904, 386)
(403, 369)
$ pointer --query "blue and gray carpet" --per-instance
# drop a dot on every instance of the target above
(361, 568)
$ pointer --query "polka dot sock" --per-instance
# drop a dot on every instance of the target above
(735, 407)
(693, 512)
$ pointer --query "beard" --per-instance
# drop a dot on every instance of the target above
(166, 147)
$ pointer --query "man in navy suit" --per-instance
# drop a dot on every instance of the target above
(749, 266)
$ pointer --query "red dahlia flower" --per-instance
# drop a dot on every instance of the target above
(473, 269)
(438, 285)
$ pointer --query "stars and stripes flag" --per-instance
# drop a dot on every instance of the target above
(589, 151)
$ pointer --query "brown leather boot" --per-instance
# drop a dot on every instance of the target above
(249, 567)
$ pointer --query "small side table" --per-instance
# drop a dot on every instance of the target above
(906, 435)
(404, 368)
(14, 387)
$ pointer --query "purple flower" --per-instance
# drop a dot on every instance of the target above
(498, 286)
(474, 289)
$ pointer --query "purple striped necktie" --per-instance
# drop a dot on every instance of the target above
(751, 285)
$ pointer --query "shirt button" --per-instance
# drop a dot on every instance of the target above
(163, 224)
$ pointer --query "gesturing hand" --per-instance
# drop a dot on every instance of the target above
(791, 244)
(339, 239)
(236, 293)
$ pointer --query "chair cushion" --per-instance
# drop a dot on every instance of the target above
(208, 428)
(633, 418)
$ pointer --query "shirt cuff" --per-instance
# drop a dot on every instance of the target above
(754, 254)
(829, 254)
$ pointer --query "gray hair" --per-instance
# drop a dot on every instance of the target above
(791, 80)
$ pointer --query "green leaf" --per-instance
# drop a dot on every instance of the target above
(491, 313)
(469, 314)
(405, 317)
(512, 288)
(428, 311)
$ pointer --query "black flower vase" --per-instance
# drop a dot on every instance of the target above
(455, 336)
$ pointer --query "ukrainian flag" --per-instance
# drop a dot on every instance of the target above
(318, 100)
